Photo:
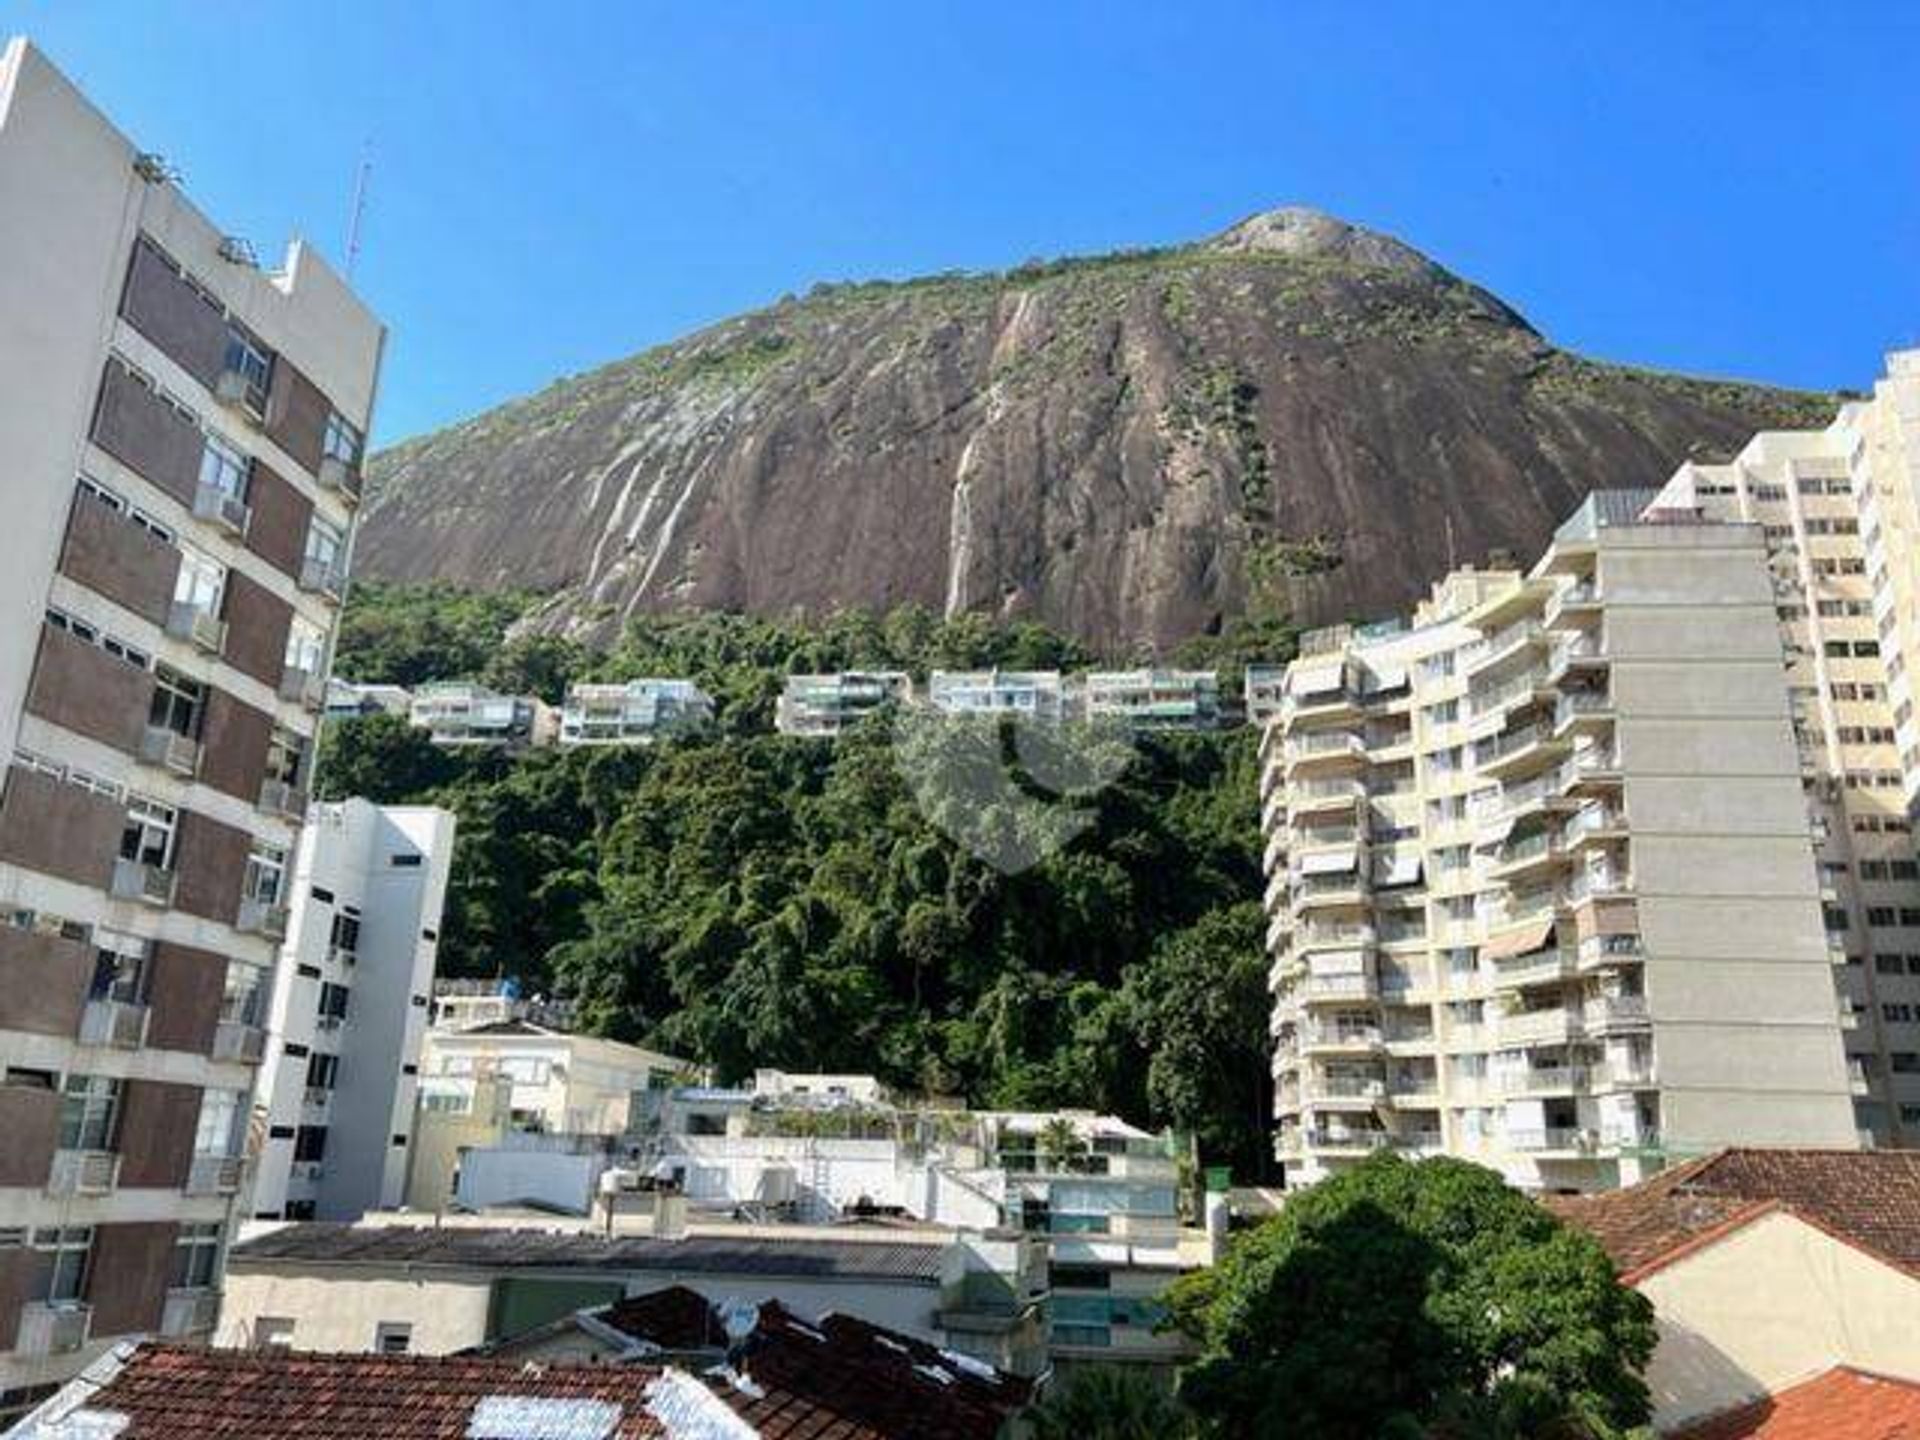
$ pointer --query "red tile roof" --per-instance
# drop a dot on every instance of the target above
(1868, 1198)
(1842, 1404)
(800, 1384)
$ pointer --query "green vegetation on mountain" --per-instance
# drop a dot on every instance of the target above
(748, 898)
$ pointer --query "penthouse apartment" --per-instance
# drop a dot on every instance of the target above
(1028, 694)
(824, 705)
(461, 713)
(181, 433)
(634, 713)
(1837, 508)
(351, 1004)
(1540, 878)
(1153, 699)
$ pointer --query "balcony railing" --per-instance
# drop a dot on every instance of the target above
(189, 1312)
(214, 1175)
(303, 687)
(1349, 1139)
(170, 750)
(136, 880)
(323, 578)
(234, 1040)
(119, 1023)
(1344, 1087)
(229, 512)
(1554, 1137)
(1340, 1035)
(277, 797)
(53, 1328)
(197, 625)
(338, 476)
(259, 917)
(83, 1172)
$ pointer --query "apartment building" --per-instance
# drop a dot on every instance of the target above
(181, 434)
(1153, 699)
(637, 712)
(1837, 509)
(1024, 694)
(350, 1008)
(347, 700)
(459, 713)
(1540, 879)
(824, 705)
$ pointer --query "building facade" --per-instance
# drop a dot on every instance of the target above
(1024, 694)
(824, 705)
(1541, 887)
(1837, 508)
(634, 713)
(460, 713)
(1153, 699)
(350, 1009)
(181, 432)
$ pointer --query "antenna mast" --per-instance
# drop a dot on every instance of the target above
(362, 178)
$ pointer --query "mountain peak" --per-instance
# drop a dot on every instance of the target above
(1309, 234)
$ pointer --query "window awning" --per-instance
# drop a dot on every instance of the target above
(1317, 677)
(1400, 868)
(1329, 862)
(1387, 675)
(1521, 940)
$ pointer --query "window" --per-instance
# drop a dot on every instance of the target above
(179, 704)
(326, 544)
(148, 836)
(333, 1001)
(60, 1255)
(202, 581)
(341, 441)
(196, 1256)
(89, 1105)
(310, 1144)
(1882, 915)
(306, 646)
(1904, 1062)
(286, 758)
(245, 1000)
(404, 862)
(323, 1071)
(1890, 964)
(218, 1132)
(273, 1332)
(1900, 1014)
(392, 1337)
(224, 468)
(345, 935)
(251, 361)
(120, 969)
(266, 874)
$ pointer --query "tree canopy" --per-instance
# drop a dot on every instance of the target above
(1415, 1299)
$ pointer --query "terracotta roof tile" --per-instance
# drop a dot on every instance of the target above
(1869, 1198)
(1842, 1404)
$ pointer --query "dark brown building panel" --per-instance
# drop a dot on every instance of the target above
(277, 532)
(16, 1285)
(30, 1121)
(147, 434)
(82, 687)
(297, 414)
(59, 829)
(127, 1283)
(211, 863)
(184, 999)
(257, 622)
(127, 563)
(43, 982)
(187, 325)
(157, 1122)
(234, 740)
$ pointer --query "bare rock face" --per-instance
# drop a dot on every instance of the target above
(1126, 447)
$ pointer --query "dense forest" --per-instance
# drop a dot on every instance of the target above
(746, 898)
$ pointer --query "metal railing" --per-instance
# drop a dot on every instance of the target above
(234, 1040)
(120, 1023)
(169, 750)
(53, 1327)
(277, 797)
(135, 880)
(189, 1312)
(229, 512)
(198, 625)
(259, 917)
(338, 476)
(214, 1175)
(83, 1172)
(323, 578)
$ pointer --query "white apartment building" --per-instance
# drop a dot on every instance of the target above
(350, 1009)
(1024, 694)
(347, 700)
(460, 713)
(634, 713)
(1153, 699)
(1540, 878)
(824, 705)
(180, 432)
(1837, 508)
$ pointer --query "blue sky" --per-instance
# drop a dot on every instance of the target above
(1731, 189)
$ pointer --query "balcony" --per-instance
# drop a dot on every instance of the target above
(1548, 1080)
(53, 1328)
(228, 512)
(338, 476)
(258, 917)
(1338, 747)
(1343, 1087)
(1566, 1139)
(277, 797)
(1359, 1141)
(1555, 1026)
(304, 687)
(118, 1023)
(1580, 707)
(1323, 795)
(189, 1312)
(1332, 937)
(1542, 848)
(1512, 749)
(320, 577)
(83, 1172)
(135, 880)
(1582, 595)
(1504, 645)
(1357, 1039)
(198, 626)
(214, 1175)
(1616, 1012)
(1538, 967)
(1342, 888)
(241, 391)
(168, 750)
(1325, 988)
(234, 1040)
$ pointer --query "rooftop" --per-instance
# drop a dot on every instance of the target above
(893, 1260)
(1868, 1198)
(1839, 1403)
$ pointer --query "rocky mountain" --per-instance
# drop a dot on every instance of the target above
(1132, 447)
